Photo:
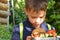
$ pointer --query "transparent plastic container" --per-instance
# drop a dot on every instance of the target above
(58, 37)
(49, 38)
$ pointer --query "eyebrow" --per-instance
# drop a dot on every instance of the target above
(40, 16)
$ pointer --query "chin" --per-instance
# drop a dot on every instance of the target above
(37, 27)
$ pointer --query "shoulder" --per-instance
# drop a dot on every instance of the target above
(16, 28)
(15, 33)
(50, 27)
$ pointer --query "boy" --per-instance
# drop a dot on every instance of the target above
(36, 13)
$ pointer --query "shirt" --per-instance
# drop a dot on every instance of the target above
(27, 30)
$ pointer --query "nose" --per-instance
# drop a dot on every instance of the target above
(38, 20)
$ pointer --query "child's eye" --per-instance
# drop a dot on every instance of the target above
(33, 17)
(41, 17)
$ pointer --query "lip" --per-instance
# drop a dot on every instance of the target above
(36, 24)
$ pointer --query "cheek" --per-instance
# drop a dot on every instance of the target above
(42, 19)
(32, 20)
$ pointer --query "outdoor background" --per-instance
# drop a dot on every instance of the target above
(53, 17)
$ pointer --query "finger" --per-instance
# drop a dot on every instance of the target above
(28, 38)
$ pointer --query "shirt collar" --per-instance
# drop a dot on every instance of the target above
(43, 25)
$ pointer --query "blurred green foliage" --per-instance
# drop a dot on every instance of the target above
(53, 14)
(5, 32)
(19, 11)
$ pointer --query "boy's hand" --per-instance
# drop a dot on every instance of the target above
(29, 38)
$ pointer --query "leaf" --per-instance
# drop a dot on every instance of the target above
(53, 16)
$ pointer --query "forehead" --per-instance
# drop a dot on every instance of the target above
(39, 13)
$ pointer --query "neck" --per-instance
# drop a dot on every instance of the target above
(36, 26)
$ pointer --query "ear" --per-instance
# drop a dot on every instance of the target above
(25, 10)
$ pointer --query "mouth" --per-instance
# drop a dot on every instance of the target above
(36, 24)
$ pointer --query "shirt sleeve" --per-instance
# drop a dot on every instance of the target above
(15, 34)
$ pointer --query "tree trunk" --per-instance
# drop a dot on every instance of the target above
(3, 1)
(4, 13)
(3, 20)
(3, 6)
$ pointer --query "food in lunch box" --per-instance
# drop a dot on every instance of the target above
(39, 32)
(52, 33)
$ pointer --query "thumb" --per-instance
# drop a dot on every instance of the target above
(29, 38)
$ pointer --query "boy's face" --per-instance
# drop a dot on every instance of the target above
(36, 18)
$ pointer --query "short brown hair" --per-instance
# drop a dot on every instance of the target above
(36, 4)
